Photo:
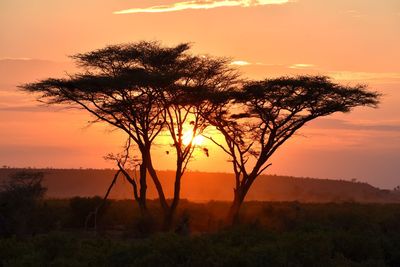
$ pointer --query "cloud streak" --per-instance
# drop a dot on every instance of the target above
(15, 58)
(301, 66)
(29, 108)
(201, 4)
(240, 63)
(362, 76)
(338, 124)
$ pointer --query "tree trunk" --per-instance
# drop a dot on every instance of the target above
(139, 195)
(157, 184)
(168, 220)
(170, 216)
(143, 189)
(239, 193)
(233, 213)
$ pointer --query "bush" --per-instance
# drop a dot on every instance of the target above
(21, 200)
(81, 207)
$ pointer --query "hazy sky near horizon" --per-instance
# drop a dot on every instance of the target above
(353, 41)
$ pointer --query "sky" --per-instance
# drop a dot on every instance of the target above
(352, 41)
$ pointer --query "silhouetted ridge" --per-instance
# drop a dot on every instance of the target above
(201, 186)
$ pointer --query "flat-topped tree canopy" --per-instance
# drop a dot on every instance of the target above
(129, 85)
(149, 56)
(279, 107)
(259, 108)
(317, 95)
(257, 118)
(142, 89)
(119, 85)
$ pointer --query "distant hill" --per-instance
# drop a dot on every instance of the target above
(203, 186)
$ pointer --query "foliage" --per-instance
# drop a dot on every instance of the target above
(21, 203)
(80, 208)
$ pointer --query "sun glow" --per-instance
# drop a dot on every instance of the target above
(188, 138)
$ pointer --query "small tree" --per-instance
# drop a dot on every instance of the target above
(20, 198)
(257, 119)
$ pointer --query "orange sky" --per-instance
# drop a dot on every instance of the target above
(351, 41)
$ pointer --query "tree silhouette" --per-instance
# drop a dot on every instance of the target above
(120, 86)
(258, 118)
(143, 89)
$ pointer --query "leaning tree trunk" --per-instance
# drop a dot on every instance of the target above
(239, 194)
(143, 190)
(170, 215)
(233, 213)
(138, 193)
(163, 202)
(94, 213)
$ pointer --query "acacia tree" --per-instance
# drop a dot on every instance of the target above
(259, 117)
(119, 85)
(141, 89)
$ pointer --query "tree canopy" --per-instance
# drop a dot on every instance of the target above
(259, 117)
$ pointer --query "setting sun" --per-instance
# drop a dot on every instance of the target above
(188, 138)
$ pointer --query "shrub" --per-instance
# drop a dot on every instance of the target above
(21, 198)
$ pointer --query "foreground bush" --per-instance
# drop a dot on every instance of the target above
(21, 204)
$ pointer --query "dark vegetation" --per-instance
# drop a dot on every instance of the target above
(271, 234)
(20, 202)
(268, 233)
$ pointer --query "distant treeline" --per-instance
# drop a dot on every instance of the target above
(202, 186)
